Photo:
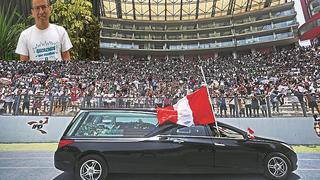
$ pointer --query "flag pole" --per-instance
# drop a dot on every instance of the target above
(214, 116)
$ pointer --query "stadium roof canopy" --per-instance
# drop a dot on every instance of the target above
(177, 10)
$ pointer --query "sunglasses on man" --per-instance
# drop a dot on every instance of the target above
(43, 7)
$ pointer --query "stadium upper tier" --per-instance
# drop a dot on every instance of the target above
(176, 10)
(265, 24)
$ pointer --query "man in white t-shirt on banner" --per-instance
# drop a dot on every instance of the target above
(43, 41)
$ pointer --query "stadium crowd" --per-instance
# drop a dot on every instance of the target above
(255, 79)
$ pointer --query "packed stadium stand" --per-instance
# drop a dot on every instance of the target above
(278, 83)
(151, 52)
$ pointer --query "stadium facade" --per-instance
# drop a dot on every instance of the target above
(311, 29)
(160, 28)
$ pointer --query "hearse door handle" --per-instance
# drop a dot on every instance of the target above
(219, 144)
(163, 138)
(178, 141)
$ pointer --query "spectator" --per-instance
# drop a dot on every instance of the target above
(64, 101)
(263, 105)
(274, 101)
(2, 102)
(294, 102)
(36, 105)
(299, 94)
(222, 105)
(255, 105)
(312, 102)
(26, 101)
(9, 99)
(248, 102)
(74, 100)
(232, 106)
(242, 106)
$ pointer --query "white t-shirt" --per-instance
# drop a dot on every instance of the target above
(47, 44)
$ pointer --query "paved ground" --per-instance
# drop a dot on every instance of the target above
(39, 166)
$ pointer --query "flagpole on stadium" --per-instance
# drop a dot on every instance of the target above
(214, 116)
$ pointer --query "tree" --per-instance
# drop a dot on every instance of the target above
(82, 26)
(11, 26)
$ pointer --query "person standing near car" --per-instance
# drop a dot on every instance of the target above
(43, 41)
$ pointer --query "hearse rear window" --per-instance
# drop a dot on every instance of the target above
(115, 124)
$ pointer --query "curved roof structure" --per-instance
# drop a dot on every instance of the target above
(177, 10)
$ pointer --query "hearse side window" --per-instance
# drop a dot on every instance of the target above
(190, 131)
(76, 123)
(226, 133)
(116, 124)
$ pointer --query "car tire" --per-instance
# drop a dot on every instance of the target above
(91, 166)
(277, 166)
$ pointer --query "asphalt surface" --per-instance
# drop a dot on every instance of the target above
(39, 166)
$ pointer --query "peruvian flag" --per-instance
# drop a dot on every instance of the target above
(193, 109)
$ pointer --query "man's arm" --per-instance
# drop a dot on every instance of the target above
(66, 45)
(24, 58)
(65, 56)
(22, 48)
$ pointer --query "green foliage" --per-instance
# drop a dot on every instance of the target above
(11, 26)
(82, 26)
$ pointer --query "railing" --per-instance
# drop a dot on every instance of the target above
(223, 107)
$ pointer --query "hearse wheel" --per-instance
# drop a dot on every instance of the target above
(91, 167)
(277, 166)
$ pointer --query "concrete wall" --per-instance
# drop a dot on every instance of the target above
(16, 129)
(291, 130)
(294, 130)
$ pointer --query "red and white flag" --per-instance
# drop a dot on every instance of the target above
(193, 109)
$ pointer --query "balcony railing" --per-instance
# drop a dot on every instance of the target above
(239, 42)
(209, 25)
(224, 107)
